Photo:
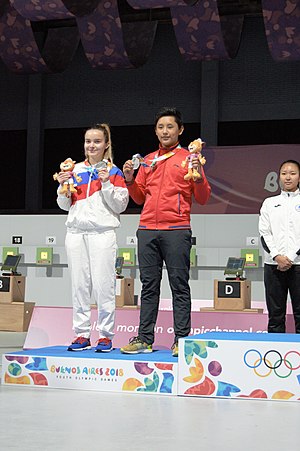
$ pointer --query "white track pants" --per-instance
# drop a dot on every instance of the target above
(91, 260)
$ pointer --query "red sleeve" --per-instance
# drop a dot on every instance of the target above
(202, 190)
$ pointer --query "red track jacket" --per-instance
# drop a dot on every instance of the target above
(166, 196)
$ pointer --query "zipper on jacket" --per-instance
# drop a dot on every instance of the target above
(89, 186)
(158, 197)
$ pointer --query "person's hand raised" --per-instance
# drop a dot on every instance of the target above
(128, 170)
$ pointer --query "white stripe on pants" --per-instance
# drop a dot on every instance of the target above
(91, 260)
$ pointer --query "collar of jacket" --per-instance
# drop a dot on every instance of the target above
(162, 149)
(291, 193)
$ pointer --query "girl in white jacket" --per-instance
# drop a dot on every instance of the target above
(91, 247)
(279, 228)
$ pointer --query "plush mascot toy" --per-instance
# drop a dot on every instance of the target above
(69, 185)
(195, 148)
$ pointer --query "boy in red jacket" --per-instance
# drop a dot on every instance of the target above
(164, 233)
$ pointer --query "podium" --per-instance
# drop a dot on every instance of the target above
(15, 314)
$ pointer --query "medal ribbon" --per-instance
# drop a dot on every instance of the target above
(165, 156)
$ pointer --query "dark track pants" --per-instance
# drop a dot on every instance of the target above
(277, 286)
(172, 247)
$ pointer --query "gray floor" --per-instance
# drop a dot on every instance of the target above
(49, 419)
(61, 420)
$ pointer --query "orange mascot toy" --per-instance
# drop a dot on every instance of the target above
(69, 185)
(195, 148)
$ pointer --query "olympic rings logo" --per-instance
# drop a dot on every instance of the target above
(271, 361)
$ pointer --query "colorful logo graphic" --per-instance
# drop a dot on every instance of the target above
(160, 381)
(207, 375)
(272, 361)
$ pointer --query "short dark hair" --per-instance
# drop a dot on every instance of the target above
(169, 111)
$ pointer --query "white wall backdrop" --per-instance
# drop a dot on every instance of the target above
(217, 238)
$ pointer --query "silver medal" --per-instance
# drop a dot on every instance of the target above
(136, 161)
(101, 165)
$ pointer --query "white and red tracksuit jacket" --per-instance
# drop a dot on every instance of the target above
(95, 206)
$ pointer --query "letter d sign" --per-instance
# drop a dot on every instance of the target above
(228, 289)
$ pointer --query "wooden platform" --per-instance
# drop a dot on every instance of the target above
(16, 316)
(246, 310)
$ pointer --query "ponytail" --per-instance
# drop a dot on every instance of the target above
(108, 155)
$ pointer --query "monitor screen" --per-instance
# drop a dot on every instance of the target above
(11, 263)
(235, 266)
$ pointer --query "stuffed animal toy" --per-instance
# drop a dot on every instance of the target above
(195, 148)
(69, 185)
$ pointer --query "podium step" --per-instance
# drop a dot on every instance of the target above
(240, 365)
(217, 365)
(55, 367)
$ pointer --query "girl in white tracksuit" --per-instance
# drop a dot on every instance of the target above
(91, 247)
(279, 228)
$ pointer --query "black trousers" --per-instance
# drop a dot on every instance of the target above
(172, 247)
(277, 286)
